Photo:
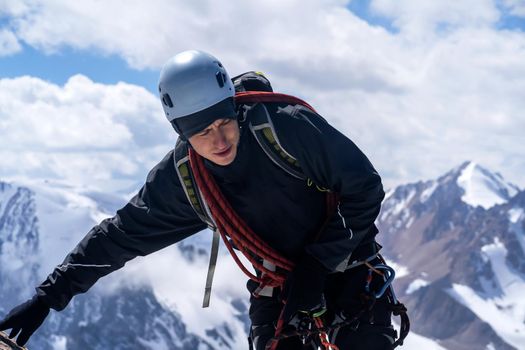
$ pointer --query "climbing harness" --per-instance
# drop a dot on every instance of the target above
(341, 320)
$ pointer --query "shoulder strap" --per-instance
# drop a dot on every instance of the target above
(261, 125)
(262, 128)
(182, 166)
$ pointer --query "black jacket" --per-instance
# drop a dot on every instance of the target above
(285, 211)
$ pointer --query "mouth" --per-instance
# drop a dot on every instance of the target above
(224, 153)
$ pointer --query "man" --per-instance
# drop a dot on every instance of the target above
(325, 276)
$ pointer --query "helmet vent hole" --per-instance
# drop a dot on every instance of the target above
(167, 100)
(220, 79)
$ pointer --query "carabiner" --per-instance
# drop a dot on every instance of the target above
(388, 274)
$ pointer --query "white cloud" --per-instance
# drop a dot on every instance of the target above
(516, 7)
(8, 43)
(421, 18)
(14, 8)
(445, 88)
(83, 132)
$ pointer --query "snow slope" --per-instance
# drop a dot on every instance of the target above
(505, 313)
(483, 188)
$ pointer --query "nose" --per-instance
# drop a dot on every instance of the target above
(220, 139)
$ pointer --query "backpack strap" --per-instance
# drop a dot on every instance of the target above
(198, 203)
(214, 253)
(256, 114)
(262, 128)
(182, 166)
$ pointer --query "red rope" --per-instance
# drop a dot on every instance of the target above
(265, 96)
(228, 222)
(323, 336)
(250, 244)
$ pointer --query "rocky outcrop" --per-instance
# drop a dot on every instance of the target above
(8, 344)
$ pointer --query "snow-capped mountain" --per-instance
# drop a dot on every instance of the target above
(460, 240)
(19, 241)
(145, 305)
(130, 319)
(483, 188)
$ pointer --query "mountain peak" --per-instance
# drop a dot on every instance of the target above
(481, 187)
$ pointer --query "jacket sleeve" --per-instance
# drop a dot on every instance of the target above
(334, 162)
(158, 216)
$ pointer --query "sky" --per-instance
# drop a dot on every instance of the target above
(419, 86)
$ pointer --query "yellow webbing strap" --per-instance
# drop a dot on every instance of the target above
(268, 134)
(188, 184)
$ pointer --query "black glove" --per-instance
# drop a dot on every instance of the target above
(303, 289)
(25, 319)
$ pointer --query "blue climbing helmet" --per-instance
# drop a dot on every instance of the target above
(195, 90)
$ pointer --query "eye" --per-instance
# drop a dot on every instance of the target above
(204, 133)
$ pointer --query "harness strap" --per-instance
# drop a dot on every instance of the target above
(192, 192)
(211, 268)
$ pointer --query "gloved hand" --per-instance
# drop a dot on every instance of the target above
(303, 289)
(25, 319)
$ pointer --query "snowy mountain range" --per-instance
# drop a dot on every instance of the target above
(457, 243)
(152, 303)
